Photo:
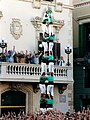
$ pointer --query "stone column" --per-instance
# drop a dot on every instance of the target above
(1, 15)
(26, 102)
(37, 25)
(57, 29)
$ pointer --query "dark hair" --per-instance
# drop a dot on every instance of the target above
(43, 73)
(51, 73)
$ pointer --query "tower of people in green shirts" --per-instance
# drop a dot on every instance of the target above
(47, 62)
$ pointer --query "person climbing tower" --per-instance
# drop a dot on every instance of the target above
(51, 62)
(44, 61)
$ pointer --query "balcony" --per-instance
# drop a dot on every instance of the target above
(17, 72)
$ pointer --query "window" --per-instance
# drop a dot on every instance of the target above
(87, 77)
(84, 39)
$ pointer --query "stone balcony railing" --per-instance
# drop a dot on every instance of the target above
(17, 72)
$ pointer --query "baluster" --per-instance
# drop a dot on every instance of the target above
(36, 71)
(66, 72)
(14, 69)
(11, 69)
(33, 71)
(39, 71)
(55, 71)
(61, 72)
(25, 72)
(28, 70)
(8, 69)
(19, 69)
(22, 69)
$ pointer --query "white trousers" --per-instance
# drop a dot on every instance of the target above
(50, 29)
(44, 28)
(51, 67)
(45, 45)
(51, 46)
(43, 109)
(50, 89)
(49, 108)
(43, 67)
(42, 88)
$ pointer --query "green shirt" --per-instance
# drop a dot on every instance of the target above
(44, 59)
(43, 79)
(50, 101)
(50, 17)
(50, 58)
(51, 38)
(45, 38)
(45, 18)
(50, 79)
(43, 103)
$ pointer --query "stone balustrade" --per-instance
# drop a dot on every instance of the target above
(31, 72)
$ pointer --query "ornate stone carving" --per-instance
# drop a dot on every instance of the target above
(1, 15)
(58, 6)
(37, 23)
(38, 20)
(16, 28)
(15, 86)
(35, 88)
(37, 4)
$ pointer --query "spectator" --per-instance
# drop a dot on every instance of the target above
(47, 114)
(61, 61)
(36, 59)
(26, 56)
(33, 58)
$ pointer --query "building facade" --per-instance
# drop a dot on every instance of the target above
(20, 26)
(81, 20)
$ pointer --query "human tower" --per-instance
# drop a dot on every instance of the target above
(47, 62)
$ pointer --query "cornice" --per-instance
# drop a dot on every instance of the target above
(66, 6)
(81, 4)
(37, 21)
(83, 17)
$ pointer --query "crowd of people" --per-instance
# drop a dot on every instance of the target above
(28, 57)
(19, 57)
(47, 115)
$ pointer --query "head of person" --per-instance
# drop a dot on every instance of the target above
(43, 74)
(43, 96)
(51, 53)
(46, 52)
(61, 57)
(52, 73)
